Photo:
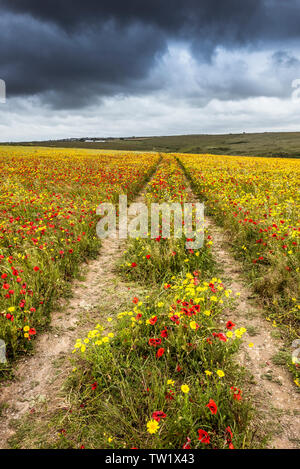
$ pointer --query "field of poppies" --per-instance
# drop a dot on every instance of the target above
(258, 201)
(161, 373)
(48, 217)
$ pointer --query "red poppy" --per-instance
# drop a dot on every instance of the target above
(212, 406)
(204, 437)
(222, 337)
(229, 434)
(36, 269)
(159, 414)
(160, 352)
(237, 393)
(164, 333)
(148, 256)
(133, 264)
(175, 319)
(153, 320)
(230, 325)
(154, 342)
(32, 331)
(94, 385)
(135, 300)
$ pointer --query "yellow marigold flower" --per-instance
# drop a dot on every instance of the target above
(193, 325)
(170, 382)
(185, 388)
(26, 328)
(296, 381)
(229, 334)
(208, 373)
(152, 426)
(251, 344)
(206, 312)
(111, 335)
(83, 348)
(220, 373)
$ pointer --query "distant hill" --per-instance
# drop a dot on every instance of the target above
(268, 144)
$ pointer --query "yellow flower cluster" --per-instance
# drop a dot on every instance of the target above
(95, 337)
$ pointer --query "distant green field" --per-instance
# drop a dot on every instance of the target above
(281, 144)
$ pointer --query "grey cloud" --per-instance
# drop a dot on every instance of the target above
(72, 53)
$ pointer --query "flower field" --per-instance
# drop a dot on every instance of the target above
(164, 368)
(162, 372)
(48, 217)
(258, 201)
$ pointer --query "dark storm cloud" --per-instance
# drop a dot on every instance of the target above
(70, 52)
(236, 19)
(72, 68)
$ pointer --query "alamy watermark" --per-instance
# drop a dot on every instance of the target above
(296, 92)
(156, 221)
(2, 92)
(296, 352)
(2, 352)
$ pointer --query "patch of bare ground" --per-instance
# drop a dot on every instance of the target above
(272, 390)
(39, 378)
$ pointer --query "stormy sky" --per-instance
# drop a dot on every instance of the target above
(77, 68)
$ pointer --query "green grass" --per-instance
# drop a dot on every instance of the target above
(267, 144)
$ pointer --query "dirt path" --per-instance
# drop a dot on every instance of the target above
(272, 391)
(40, 377)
